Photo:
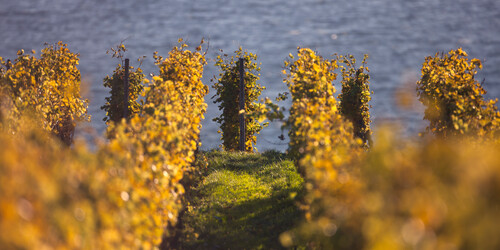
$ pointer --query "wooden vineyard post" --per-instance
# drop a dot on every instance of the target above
(125, 89)
(242, 106)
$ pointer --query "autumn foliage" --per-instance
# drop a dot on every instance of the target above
(355, 96)
(454, 98)
(425, 193)
(227, 96)
(439, 191)
(321, 140)
(126, 194)
(47, 87)
(115, 103)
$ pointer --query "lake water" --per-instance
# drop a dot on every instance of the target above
(397, 35)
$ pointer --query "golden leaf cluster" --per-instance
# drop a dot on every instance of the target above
(321, 140)
(314, 107)
(125, 194)
(227, 87)
(454, 98)
(355, 96)
(160, 141)
(429, 193)
(114, 105)
(47, 87)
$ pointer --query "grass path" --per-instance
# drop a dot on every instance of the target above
(245, 201)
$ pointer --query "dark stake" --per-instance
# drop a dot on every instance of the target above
(125, 88)
(242, 106)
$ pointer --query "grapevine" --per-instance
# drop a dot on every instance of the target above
(227, 87)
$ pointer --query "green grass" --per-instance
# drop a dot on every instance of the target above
(244, 201)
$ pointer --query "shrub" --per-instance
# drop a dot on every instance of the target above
(431, 194)
(355, 96)
(115, 103)
(227, 87)
(454, 98)
(321, 140)
(126, 194)
(48, 88)
(161, 140)
(314, 107)
(56, 197)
